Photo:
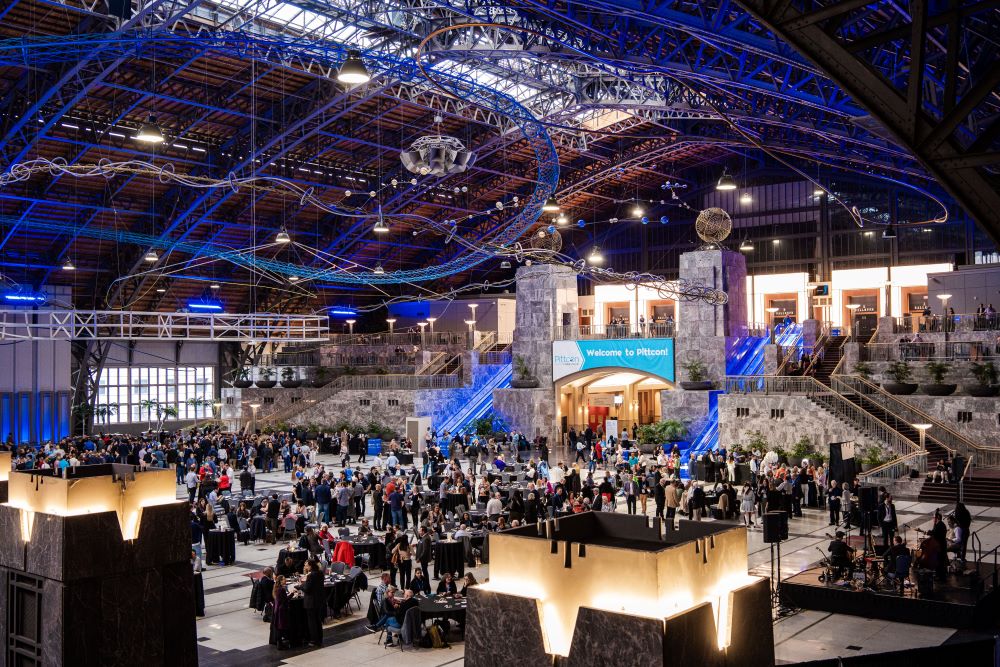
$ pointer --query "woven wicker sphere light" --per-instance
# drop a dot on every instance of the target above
(713, 225)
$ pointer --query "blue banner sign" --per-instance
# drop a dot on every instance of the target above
(650, 355)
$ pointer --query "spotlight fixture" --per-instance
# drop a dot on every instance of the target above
(283, 237)
(637, 211)
(746, 198)
(151, 256)
(215, 286)
(149, 132)
(380, 227)
(161, 290)
(562, 220)
(378, 270)
(437, 155)
(726, 182)
(746, 246)
(889, 232)
(68, 265)
(293, 278)
(595, 256)
(353, 71)
(551, 205)
(505, 264)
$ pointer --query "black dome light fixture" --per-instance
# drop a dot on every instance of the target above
(726, 182)
(353, 72)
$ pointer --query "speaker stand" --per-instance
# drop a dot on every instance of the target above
(778, 605)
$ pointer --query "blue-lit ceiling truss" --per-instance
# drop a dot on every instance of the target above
(247, 87)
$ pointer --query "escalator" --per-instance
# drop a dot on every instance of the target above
(480, 402)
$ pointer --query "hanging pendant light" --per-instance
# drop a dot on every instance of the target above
(215, 286)
(293, 278)
(353, 71)
(746, 246)
(818, 191)
(380, 227)
(551, 205)
(726, 182)
(746, 198)
(505, 264)
(149, 132)
(595, 256)
(378, 270)
(282, 237)
(638, 211)
(68, 265)
(562, 220)
(889, 232)
(151, 256)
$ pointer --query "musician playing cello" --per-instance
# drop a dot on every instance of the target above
(841, 553)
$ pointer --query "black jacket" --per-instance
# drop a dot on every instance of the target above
(313, 591)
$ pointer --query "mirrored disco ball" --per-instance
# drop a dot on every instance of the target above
(713, 225)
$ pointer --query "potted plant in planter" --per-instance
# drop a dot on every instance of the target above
(873, 458)
(756, 442)
(243, 380)
(674, 430)
(265, 377)
(900, 372)
(986, 381)
(801, 450)
(288, 380)
(320, 377)
(523, 377)
(938, 370)
(696, 372)
(863, 370)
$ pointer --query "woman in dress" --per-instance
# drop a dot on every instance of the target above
(748, 501)
(280, 617)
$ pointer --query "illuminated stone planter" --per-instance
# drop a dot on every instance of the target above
(95, 569)
(593, 588)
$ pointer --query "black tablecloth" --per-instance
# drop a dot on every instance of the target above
(453, 500)
(199, 595)
(258, 528)
(300, 556)
(405, 459)
(375, 548)
(449, 556)
(440, 606)
(339, 588)
(220, 545)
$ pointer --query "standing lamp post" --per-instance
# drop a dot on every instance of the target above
(423, 340)
(473, 306)
(922, 428)
(391, 321)
(350, 326)
(472, 333)
(253, 424)
(771, 310)
(944, 310)
(853, 307)
(430, 327)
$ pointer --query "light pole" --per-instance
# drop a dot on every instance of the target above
(350, 326)
(944, 309)
(472, 333)
(922, 428)
(430, 327)
(473, 307)
(254, 407)
(422, 325)
(391, 321)
(771, 310)
(853, 307)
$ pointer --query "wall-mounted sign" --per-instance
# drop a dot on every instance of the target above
(654, 356)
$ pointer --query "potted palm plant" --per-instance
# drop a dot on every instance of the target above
(900, 372)
(243, 380)
(697, 378)
(150, 406)
(986, 381)
(288, 380)
(163, 413)
(265, 378)
(523, 376)
(938, 370)
(872, 458)
(320, 377)
(863, 370)
(198, 402)
(105, 412)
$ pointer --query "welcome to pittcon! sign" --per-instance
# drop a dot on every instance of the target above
(654, 356)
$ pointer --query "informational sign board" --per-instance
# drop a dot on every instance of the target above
(653, 355)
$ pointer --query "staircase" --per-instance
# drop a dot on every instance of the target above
(935, 450)
(832, 355)
(477, 401)
(982, 489)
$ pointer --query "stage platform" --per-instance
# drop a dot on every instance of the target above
(955, 602)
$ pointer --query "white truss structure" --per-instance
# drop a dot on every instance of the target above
(127, 325)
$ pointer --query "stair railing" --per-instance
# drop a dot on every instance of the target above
(961, 480)
(898, 468)
(819, 393)
(819, 352)
(433, 364)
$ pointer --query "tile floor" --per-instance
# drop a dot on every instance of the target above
(232, 634)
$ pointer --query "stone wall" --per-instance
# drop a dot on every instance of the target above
(546, 299)
(529, 411)
(984, 427)
(690, 407)
(960, 372)
(801, 417)
(719, 269)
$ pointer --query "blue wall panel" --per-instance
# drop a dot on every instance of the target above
(24, 417)
(46, 426)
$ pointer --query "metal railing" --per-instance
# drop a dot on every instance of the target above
(819, 350)
(614, 331)
(942, 434)
(952, 350)
(827, 397)
(406, 339)
(387, 382)
(437, 360)
(951, 324)
(961, 480)
(495, 358)
(129, 325)
(898, 468)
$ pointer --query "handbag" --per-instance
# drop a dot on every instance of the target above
(268, 612)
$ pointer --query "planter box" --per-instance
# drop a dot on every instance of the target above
(316, 384)
(981, 391)
(291, 384)
(524, 383)
(704, 385)
(897, 388)
(266, 384)
(242, 384)
(939, 389)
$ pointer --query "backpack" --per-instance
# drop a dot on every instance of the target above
(438, 634)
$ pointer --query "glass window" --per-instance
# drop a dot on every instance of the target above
(188, 389)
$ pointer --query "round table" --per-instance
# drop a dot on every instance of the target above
(449, 556)
(443, 606)
(453, 500)
(220, 547)
(373, 546)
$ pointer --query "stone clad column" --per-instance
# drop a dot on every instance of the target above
(546, 302)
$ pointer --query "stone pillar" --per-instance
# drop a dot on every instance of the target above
(771, 359)
(810, 333)
(546, 299)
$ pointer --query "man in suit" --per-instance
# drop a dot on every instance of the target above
(631, 490)
(887, 519)
(314, 601)
(424, 550)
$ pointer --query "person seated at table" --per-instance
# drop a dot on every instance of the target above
(263, 592)
(310, 542)
(840, 552)
(447, 585)
(502, 523)
(365, 529)
(225, 484)
(419, 583)
(399, 615)
(463, 531)
(499, 463)
(956, 538)
(467, 581)
(287, 567)
(467, 519)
